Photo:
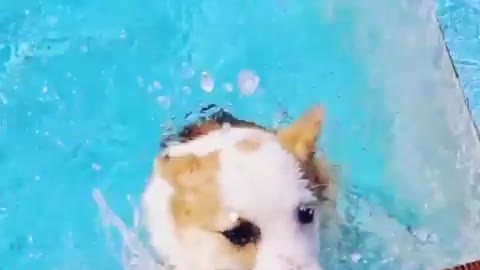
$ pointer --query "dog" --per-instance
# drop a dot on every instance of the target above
(229, 194)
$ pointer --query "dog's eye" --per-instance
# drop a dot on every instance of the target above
(243, 233)
(305, 214)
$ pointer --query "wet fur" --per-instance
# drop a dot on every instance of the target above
(206, 168)
(321, 174)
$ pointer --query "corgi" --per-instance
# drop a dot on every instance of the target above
(229, 194)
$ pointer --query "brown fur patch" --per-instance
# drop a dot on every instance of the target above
(196, 203)
(196, 200)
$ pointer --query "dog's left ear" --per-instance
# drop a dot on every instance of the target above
(300, 138)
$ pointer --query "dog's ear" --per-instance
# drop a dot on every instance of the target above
(300, 138)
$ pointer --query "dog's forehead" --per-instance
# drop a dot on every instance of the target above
(261, 180)
(218, 140)
(257, 177)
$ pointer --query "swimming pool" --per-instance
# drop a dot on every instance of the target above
(88, 88)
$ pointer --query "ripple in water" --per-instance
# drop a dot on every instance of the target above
(135, 254)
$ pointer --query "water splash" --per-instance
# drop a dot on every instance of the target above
(207, 82)
(135, 254)
(164, 101)
(248, 82)
(228, 87)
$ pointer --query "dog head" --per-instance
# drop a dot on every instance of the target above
(231, 195)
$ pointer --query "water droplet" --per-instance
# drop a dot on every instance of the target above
(44, 89)
(356, 257)
(25, 49)
(96, 167)
(3, 99)
(140, 81)
(186, 90)
(248, 82)
(280, 117)
(59, 142)
(423, 235)
(164, 101)
(52, 20)
(157, 84)
(123, 34)
(186, 71)
(228, 87)
(207, 82)
(387, 260)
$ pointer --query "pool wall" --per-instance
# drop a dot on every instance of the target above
(460, 22)
(434, 150)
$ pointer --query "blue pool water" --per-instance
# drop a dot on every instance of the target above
(87, 89)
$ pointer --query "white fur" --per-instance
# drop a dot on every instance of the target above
(158, 218)
(217, 140)
(264, 186)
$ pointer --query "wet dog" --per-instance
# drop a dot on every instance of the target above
(229, 194)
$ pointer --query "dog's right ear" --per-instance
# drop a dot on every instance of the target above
(300, 138)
